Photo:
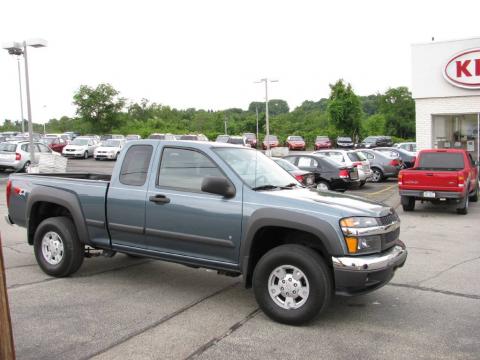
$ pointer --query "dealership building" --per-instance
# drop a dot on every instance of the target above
(446, 89)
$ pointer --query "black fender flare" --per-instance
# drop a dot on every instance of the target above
(63, 198)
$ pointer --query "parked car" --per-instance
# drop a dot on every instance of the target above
(345, 142)
(109, 149)
(322, 142)
(222, 207)
(81, 147)
(238, 140)
(162, 136)
(329, 174)
(55, 143)
(350, 158)
(72, 134)
(440, 175)
(194, 137)
(272, 141)
(302, 176)
(295, 142)
(222, 138)
(407, 158)
(382, 166)
(409, 146)
(251, 139)
(131, 137)
(16, 155)
(371, 142)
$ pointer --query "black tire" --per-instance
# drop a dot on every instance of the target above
(323, 183)
(377, 175)
(474, 197)
(73, 250)
(363, 182)
(25, 167)
(85, 156)
(408, 203)
(463, 209)
(316, 271)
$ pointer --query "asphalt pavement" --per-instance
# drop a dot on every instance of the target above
(120, 307)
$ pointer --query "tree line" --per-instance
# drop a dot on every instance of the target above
(102, 109)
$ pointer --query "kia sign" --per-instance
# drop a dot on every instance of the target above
(463, 70)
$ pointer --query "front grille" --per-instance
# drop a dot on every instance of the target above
(390, 218)
(390, 236)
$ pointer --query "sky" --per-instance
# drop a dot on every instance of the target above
(208, 54)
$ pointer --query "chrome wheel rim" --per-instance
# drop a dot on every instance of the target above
(52, 248)
(288, 287)
(322, 187)
(376, 176)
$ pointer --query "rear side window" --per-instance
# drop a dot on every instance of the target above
(8, 147)
(185, 169)
(135, 165)
(354, 156)
(441, 161)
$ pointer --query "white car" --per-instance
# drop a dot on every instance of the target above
(110, 149)
(350, 158)
(81, 147)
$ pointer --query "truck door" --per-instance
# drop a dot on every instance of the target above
(126, 198)
(184, 221)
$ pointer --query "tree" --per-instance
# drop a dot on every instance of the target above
(99, 106)
(398, 107)
(275, 107)
(374, 125)
(344, 108)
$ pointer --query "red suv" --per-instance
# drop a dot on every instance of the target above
(295, 143)
(322, 142)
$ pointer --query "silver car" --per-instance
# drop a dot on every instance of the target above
(16, 155)
(382, 166)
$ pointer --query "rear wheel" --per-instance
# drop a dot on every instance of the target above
(362, 183)
(323, 186)
(57, 248)
(408, 203)
(26, 166)
(292, 284)
(463, 209)
(85, 156)
(377, 175)
(474, 197)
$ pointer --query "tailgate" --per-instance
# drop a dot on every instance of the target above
(7, 156)
(430, 180)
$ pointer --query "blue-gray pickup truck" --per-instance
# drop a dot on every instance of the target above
(215, 206)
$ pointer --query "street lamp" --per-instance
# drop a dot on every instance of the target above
(267, 124)
(17, 48)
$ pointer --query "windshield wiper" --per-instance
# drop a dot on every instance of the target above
(266, 187)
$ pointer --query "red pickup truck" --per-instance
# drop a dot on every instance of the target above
(440, 175)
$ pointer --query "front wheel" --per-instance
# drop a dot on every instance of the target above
(362, 183)
(292, 284)
(57, 248)
(323, 186)
(26, 166)
(85, 156)
(377, 175)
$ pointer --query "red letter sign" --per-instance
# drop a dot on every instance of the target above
(462, 68)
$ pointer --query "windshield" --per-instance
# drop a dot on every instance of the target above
(369, 140)
(157, 136)
(222, 138)
(344, 139)
(133, 137)
(250, 136)
(322, 138)
(254, 168)
(296, 138)
(48, 140)
(271, 137)
(7, 147)
(238, 141)
(441, 161)
(286, 165)
(188, 137)
(112, 143)
(81, 142)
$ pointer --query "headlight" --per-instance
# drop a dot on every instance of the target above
(355, 241)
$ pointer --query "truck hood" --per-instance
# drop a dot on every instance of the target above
(322, 201)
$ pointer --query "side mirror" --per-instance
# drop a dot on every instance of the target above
(218, 185)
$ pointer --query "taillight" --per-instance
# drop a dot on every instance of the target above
(394, 162)
(299, 178)
(8, 191)
(400, 179)
(343, 174)
(461, 181)
(18, 156)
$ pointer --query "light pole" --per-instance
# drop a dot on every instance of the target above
(21, 94)
(267, 124)
(15, 48)
(256, 111)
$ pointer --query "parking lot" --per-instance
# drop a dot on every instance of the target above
(140, 308)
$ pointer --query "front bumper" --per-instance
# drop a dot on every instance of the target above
(73, 155)
(105, 156)
(356, 275)
(438, 194)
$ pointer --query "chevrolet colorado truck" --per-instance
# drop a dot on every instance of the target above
(216, 206)
(440, 175)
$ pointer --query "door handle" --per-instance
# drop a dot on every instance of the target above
(159, 199)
